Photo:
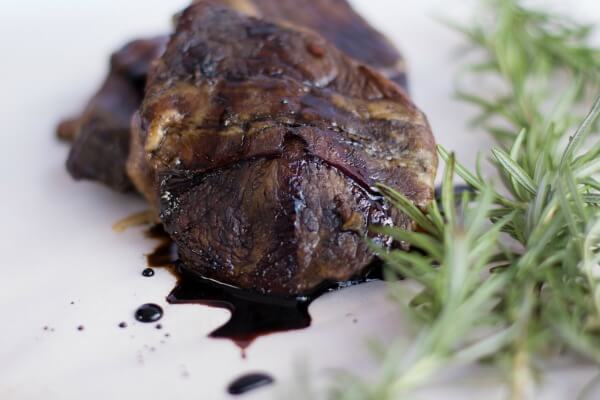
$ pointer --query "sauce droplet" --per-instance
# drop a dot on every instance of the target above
(80, 328)
(148, 272)
(148, 313)
(122, 324)
(249, 382)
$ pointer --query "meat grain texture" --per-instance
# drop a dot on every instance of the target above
(260, 135)
(101, 135)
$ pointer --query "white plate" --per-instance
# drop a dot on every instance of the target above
(58, 246)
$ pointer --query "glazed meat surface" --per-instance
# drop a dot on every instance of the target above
(101, 135)
(259, 144)
(337, 22)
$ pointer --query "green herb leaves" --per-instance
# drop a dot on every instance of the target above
(511, 273)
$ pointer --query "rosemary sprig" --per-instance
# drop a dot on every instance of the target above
(511, 273)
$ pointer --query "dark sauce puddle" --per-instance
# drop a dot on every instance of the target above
(252, 315)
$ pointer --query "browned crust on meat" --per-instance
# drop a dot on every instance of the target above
(260, 143)
(236, 101)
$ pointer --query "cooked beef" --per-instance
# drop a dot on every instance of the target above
(336, 21)
(101, 135)
(259, 143)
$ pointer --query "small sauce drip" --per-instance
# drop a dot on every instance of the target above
(248, 382)
(148, 272)
(148, 313)
(122, 324)
(252, 314)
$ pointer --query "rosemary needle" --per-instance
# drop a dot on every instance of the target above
(485, 300)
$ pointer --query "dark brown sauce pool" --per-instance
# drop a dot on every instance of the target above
(252, 314)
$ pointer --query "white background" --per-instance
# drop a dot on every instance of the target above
(57, 245)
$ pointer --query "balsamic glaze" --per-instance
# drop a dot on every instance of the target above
(249, 382)
(148, 272)
(148, 313)
(252, 314)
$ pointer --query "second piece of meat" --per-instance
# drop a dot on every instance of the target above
(101, 135)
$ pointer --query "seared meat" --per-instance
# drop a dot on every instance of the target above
(337, 22)
(101, 135)
(259, 143)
